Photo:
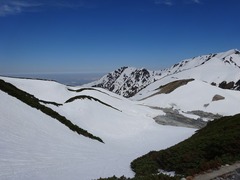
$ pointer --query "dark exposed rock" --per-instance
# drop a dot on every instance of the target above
(213, 84)
(225, 85)
(238, 83)
(206, 105)
(217, 97)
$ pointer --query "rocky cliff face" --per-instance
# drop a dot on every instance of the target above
(126, 81)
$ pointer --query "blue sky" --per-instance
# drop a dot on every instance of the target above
(54, 36)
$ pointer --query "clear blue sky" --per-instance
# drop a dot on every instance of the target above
(45, 36)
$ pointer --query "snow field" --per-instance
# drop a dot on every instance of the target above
(35, 146)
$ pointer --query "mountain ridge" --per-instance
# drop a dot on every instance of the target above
(128, 81)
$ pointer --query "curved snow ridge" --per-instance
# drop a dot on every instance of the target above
(227, 53)
(33, 102)
(42, 89)
(213, 71)
(93, 91)
(230, 57)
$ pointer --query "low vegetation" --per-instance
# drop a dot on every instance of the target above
(212, 146)
(84, 89)
(89, 98)
(35, 103)
(170, 87)
(52, 103)
(148, 177)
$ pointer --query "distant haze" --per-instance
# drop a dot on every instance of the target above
(72, 79)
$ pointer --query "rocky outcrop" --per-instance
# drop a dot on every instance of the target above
(126, 81)
(217, 97)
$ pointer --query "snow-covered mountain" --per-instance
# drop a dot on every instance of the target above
(221, 69)
(52, 131)
(201, 88)
(126, 81)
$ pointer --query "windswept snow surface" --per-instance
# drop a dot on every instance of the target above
(35, 146)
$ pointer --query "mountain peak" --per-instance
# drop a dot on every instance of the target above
(125, 81)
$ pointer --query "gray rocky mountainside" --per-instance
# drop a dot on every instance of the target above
(127, 81)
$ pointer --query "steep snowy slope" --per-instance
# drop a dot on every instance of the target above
(222, 69)
(35, 146)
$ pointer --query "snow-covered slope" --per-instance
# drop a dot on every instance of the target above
(44, 90)
(36, 146)
(196, 95)
(222, 69)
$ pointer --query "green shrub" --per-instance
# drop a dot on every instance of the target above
(89, 98)
(149, 177)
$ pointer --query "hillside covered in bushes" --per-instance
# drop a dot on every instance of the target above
(216, 144)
